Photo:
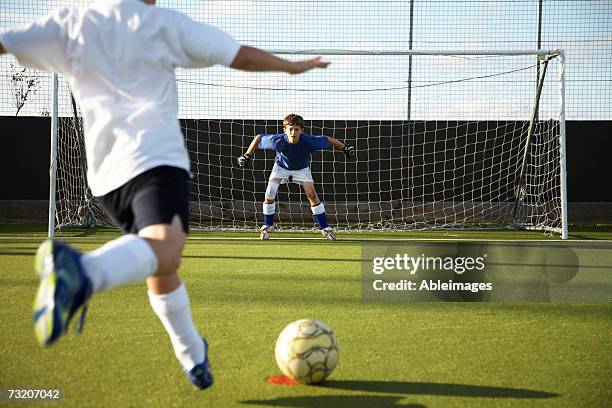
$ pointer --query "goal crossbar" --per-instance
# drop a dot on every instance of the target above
(540, 52)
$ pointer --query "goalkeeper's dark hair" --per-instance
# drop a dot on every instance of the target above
(292, 120)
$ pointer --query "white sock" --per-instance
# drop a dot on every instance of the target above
(123, 260)
(318, 209)
(269, 209)
(175, 314)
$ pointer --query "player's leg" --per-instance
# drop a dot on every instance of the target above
(150, 204)
(269, 208)
(167, 241)
(161, 217)
(277, 176)
(68, 278)
(318, 210)
(170, 301)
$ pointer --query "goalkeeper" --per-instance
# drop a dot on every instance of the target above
(293, 150)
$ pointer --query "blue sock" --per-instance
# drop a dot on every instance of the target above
(318, 212)
(268, 212)
(321, 219)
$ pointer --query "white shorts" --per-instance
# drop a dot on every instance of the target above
(282, 175)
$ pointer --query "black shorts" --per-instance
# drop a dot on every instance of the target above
(153, 197)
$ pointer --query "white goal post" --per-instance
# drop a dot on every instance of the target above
(466, 139)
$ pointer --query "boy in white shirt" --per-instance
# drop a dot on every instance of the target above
(119, 57)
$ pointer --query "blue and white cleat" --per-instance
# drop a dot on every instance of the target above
(201, 376)
(265, 231)
(64, 289)
(329, 233)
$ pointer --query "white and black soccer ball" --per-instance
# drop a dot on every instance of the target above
(307, 351)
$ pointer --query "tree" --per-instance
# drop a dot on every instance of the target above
(24, 83)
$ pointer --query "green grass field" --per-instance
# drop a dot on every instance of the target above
(244, 291)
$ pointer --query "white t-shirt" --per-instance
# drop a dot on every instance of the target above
(119, 57)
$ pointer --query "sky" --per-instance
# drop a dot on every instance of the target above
(377, 87)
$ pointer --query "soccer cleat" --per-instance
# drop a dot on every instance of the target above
(265, 231)
(329, 233)
(201, 376)
(64, 289)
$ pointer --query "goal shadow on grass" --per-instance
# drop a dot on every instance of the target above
(400, 390)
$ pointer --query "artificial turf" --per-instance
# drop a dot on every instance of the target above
(243, 292)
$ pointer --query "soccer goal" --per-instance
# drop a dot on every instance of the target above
(444, 140)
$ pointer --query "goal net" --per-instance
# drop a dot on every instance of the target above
(464, 140)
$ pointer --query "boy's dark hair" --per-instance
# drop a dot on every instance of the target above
(292, 119)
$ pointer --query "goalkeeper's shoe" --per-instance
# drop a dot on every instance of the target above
(329, 233)
(64, 289)
(201, 376)
(265, 231)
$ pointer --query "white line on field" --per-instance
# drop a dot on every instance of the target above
(340, 239)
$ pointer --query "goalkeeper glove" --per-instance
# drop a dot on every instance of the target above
(243, 161)
(349, 151)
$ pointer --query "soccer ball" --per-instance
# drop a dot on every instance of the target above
(307, 351)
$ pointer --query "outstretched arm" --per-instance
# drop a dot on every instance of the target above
(338, 145)
(348, 150)
(254, 59)
(253, 146)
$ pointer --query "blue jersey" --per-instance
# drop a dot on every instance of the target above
(293, 156)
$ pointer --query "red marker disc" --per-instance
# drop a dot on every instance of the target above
(281, 380)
